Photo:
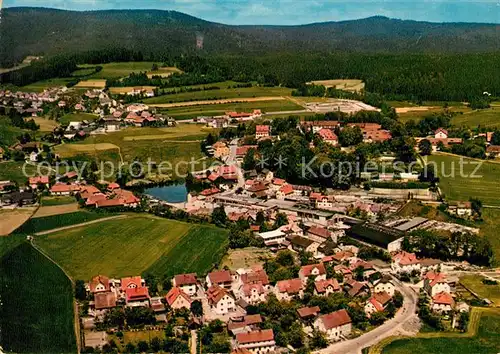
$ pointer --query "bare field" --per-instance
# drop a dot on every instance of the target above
(245, 258)
(341, 84)
(56, 210)
(165, 71)
(198, 103)
(92, 84)
(127, 89)
(414, 109)
(157, 137)
(46, 125)
(72, 149)
(13, 218)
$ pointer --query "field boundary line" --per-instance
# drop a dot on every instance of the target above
(46, 232)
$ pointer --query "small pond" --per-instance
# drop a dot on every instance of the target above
(176, 193)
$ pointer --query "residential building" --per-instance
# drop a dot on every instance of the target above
(257, 342)
(137, 297)
(326, 287)
(35, 181)
(319, 234)
(435, 283)
(328, 136)
(262, 131)
(244, 324)
(308, 313)
(220, 300)
(442, 302)
(253, 293)
(335, 325)
(441, 133)
(220, 278)
(177, 299)
(187, 282)
(377, 303)
(287, 289)
(385, 284)
(284, 191)
(316, 271)
(461, 209)
(99, 283)
(220, 150)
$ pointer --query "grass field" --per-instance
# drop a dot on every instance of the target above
(77, 117)
(36, 315)
(246, 92)
(485, 341)
(137, 244)
(176, 144)
(419, 114)
(13, 171)
(117, 70)
(58, 200)
(35, 225)
(216, 109)
(45, 211)
(475, 283)
(46, 125)
(8, 133)
(245, 258)
(459, 186)
(164, 71)
(39, 86)
(488, 118)
(489, 229)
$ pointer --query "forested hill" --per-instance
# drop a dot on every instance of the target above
(34, 31)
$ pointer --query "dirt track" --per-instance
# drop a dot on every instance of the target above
(229, 100)
(80, 225)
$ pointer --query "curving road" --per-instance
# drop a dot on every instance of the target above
(389, 328)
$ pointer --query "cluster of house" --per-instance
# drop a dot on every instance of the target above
(229, 117)
(372, 132)
(30, 102)
(226, 294)
(439, 139)
(437, 285)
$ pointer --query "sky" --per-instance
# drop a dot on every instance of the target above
(295, 12)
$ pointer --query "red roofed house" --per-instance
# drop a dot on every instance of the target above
(328, 136)
(220, 301)
(326, 287)
(441, 133)
(306, 313)
(99, 283)
(376, 136)
(104, 300)
(253, 293)
(221, 278)
(319, 234)
(177, 299)
(64, 189)
(384, 284)
(35, 181)
(316, 271)
(284, 191)
(244, 324)
(435, 283)
(442, 302)
(257, 342)
(335, 325)
(377, 303)
(241, 151)
(262, 131)
(137, 297)
(113, 186)
(187, 282)
(404, 262)
(131, 282)
(287, 289)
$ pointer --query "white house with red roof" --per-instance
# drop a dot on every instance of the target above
(326, 287)
(253, 293)
(322, 201)
(220, 300)
(442, 302)
(131, 283)
(435, 282)
(319, 234)
(35, 181)
(285, 290)
(222, 278)
(136, 297)
(315, 271)
(384, 284)
(257, 342)
(377, 303)
(64, 189)
(441, 133)
(100, 283)
(186, 282)
(177, 299)
(284, 191)
(262, 131)
(335, 325)
(328, 136)
(404, 262)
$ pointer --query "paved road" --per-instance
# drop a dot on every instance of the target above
(194, 339)
(389, 328)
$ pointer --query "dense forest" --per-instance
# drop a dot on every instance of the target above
(39, 31)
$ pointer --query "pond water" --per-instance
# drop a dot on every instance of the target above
(176, 193)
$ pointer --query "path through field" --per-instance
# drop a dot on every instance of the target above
(80, 225)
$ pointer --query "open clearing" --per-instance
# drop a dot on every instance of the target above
(68, 150)
(46, 125)
(92, 83)
(137, 244)
(489, 229)
(341, 84)
(127, 89)
(37, 304)
(475, 283)
(215, 102)
(481, 339)
(117, 70)
(255, 92)
(13, 218)
(77, 117)
(39, 86)
(488, 118)
(57, 200)
(245, 258)
(56, 210)
(164, 71)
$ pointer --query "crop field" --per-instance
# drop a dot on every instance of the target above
(485, 340)
(56, 210)
(459, 186)
(416, 113)
(46, 125)
(134, 245)
(68, 150)
(342, 84)
(246, 92)
(125, 90)
(92, 83)
(52, 222)
(13, 218)
(37, 304)
(77, 117)
(475, 283)
(117, 70)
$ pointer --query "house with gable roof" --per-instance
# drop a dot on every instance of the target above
(285, 290)
(220, 300)
(442, 302)
(335, 325)
(377, 303)
(326, 287)
(177, 299)
(316, 271)
(435, 282)
(186, 282)
(257, 342)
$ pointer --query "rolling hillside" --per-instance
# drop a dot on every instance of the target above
(39, 31)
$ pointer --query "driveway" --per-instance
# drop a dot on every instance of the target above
(389, 328)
